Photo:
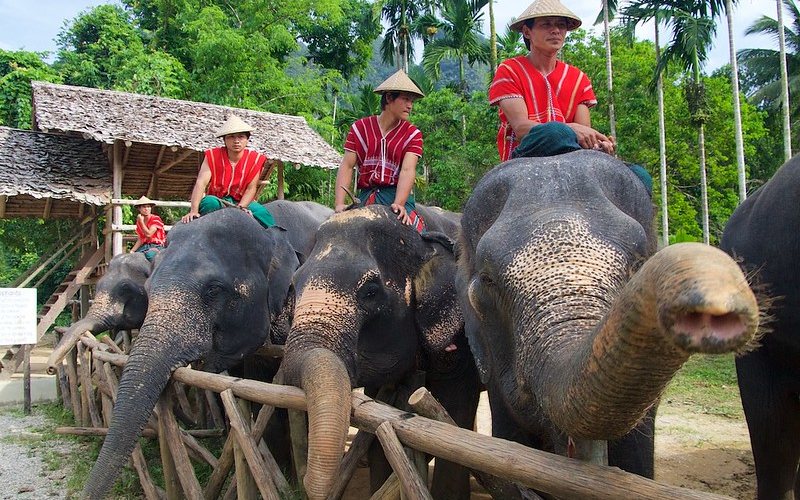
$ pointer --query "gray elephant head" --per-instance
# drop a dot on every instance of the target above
(120, 303)
(372, 294)
(219, 282)
(575, 325)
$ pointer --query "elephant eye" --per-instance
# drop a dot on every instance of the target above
(486, 280)
(213, 292)
(369, 290)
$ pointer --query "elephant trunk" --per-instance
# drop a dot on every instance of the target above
(146, 373)
(318, 352)
(324, 378)
(687, 298)
(99, 319)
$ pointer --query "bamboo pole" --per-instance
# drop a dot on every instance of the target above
(410, 482)
(241, 432)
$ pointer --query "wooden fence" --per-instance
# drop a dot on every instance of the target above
(188, 413)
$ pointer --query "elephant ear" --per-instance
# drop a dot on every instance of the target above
(472, 323)
(437, 314)
(282, 266)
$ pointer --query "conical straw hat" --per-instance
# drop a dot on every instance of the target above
(399, 82)
(233, 125)
(547, 8)
(144, 200)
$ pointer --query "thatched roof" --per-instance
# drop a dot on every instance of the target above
(51, 176)
(106, 115)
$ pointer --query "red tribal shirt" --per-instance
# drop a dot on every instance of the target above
(158, 238)
(380, 157)
(229, 180)
(554, 98)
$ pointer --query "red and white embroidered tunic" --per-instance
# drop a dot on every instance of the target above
(552, 98)
(230, 180)
(379, 157)
(158, 238)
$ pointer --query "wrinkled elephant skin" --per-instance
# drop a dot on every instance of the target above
(218, 283)
(120, 303)
(576, 325)
(373, 297)
(763, 232)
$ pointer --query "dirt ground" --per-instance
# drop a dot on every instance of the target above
(703, 452)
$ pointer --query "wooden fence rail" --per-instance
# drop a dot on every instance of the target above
(92, 375)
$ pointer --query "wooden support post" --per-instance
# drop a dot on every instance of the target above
(186, 476)
(280, 180)
(423, 402)
(171, 482)
(213, 408)
(298, 430)
(72, 378)
(116, 189)
(358, 448)
(151, 491)
(26, 379)
(390, 490)
(241, 431)
(106, 403)
(412, 486)
(246, 487)
(86, 388)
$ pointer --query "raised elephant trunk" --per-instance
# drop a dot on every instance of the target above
(101, 317)
(146, 374)
(687, 298)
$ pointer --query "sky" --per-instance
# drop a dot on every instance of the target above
(34, 24)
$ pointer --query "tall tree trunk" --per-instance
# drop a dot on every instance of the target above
(662, 151)
(737, 110)
(701, 141)
(787, 127)
(492, 39)
(612, 119)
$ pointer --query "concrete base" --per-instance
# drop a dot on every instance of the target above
(43, 388)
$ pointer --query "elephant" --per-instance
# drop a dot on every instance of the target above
(219, 283)
(763, 233)
(301, 218)
(576, 323)
(120, 303)
(372, 298)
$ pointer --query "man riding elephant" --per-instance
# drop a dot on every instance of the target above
(229, 176)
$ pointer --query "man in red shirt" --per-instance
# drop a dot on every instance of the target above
(230, 175)
(386, 149)
(542, 97)
(149, 229)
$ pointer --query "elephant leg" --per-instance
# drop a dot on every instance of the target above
(773, 420)
(635, 451)
(459, 395)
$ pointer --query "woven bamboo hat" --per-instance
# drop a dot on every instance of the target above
(233, 125)
(399, 82)
(546, 8)
(144, 200)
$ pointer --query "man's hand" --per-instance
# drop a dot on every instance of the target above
(402, 215)
(190, 217)
(245, 210)
(589, 138)
(340, 207)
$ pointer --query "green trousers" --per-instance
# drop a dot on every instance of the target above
(211, 203)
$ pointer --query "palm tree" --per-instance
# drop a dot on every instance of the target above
(773, 85)
(458, 37)
(510, 43)
(692, 26)
(737, 112)
(397, 47)
(492, 40)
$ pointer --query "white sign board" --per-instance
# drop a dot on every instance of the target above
(17, 316)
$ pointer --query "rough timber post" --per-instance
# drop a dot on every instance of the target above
(117, 193)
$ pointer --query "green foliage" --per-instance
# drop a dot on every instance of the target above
(342, 41)
(17, 70)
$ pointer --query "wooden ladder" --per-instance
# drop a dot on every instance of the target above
(52, 308)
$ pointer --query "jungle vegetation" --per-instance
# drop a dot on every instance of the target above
(309, 58)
